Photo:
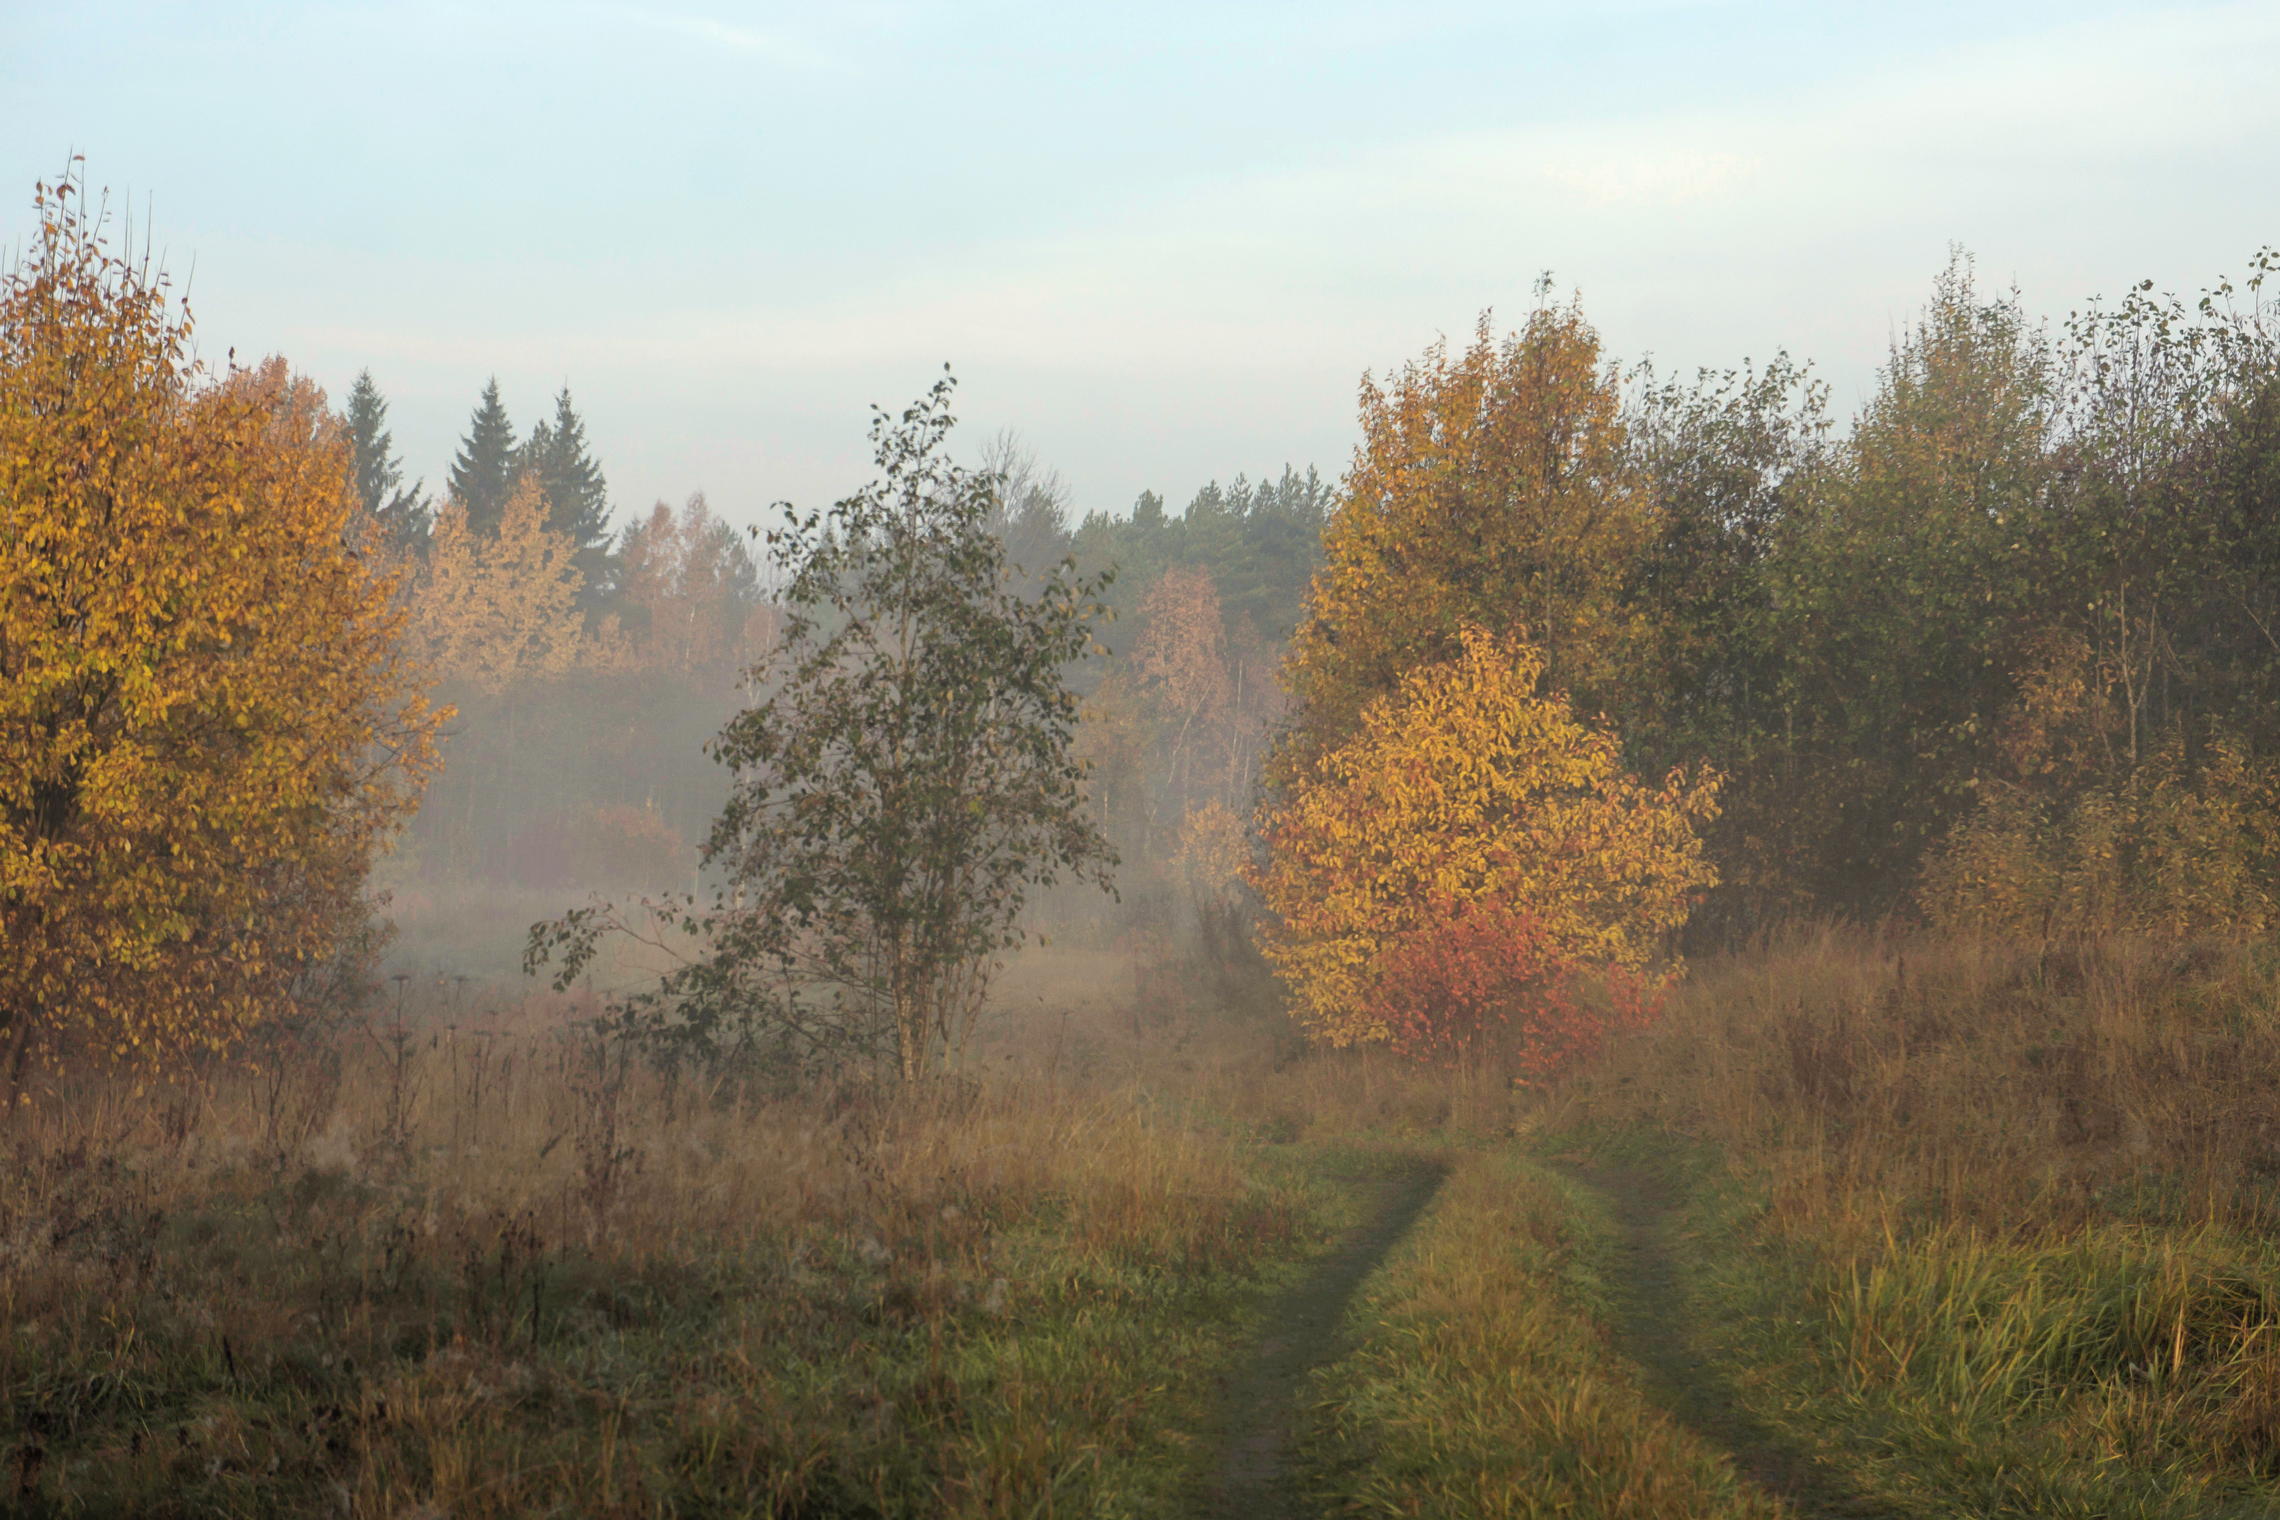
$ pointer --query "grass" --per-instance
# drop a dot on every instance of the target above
(1988, 1231)
(489, 1270)
(1483, 1385)
(1970, 1231)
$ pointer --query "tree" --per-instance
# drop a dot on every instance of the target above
(577, 496)
(399, 518)
(1179, 671)
(1909, 582)
(1480, 978)
(687, 597)
(494, 612)
(1468, 785)
(1726, 457)
(483, 472)
(1032, 513)
(1492, 489)
(905, 783)
(207, 724)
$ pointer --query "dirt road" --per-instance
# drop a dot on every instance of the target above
(1304, 1330)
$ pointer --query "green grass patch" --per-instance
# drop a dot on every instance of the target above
(2116, 1370)
(954, 1315)
(1482, 1384)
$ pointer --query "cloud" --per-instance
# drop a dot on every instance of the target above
(1806, 215)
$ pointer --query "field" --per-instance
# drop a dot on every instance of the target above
(1859, 1228)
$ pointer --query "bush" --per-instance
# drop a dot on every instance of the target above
(1470, 786)
(1483, 980)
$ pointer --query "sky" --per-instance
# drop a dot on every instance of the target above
(1161, 242)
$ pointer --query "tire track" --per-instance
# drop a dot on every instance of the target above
(1654, 1328)
(1304, 1329)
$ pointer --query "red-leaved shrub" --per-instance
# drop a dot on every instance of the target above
(1482, 979)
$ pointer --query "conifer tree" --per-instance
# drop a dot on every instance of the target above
(483, 473)
(376, 475)
(571, 483)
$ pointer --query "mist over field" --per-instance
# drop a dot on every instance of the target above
(1332, 875)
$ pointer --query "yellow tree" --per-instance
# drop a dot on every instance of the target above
(1467, 785)
(1492, 488)
(1180, 675)
(207, 725)
(690, 593)
(499, 611)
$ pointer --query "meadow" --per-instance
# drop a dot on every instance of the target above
(1864, 1225)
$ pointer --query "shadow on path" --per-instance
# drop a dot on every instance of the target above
(1303, 1330)
(1653, 1329)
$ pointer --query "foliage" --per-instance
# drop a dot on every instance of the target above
(1260, 543)
(495, 610)
(687, 596)
(2067, 839)
(1468, 784)
(1491, 489)
(1907, 583)
(1032, 512)
(903, 784)
(1481, 980)
(207, 726)
(576, 494)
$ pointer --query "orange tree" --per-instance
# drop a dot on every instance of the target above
(1469, 785)
(206, 727)
(1495, 487)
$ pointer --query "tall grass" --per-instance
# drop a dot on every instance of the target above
(2030, 1087)
(1996, 1223)
(482, 1264)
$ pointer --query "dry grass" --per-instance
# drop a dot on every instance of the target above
(1992, 1227)
(2035, 1087)
(1484, 1388)
(484, 1266)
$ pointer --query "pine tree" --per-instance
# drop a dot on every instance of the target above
(376, 475)
(483, 474)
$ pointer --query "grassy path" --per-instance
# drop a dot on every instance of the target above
(1303, 1331)
(1654, 1327)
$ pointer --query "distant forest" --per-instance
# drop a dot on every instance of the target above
(590, 653)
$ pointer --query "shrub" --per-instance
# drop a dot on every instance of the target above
(1472, 786)
(1483, 980)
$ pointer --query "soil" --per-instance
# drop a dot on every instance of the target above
(1304, 1330)
(1655, 1329)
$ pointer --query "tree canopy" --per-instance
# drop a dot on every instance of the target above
(207, 722)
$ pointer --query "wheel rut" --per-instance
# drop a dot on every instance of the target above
(1655, 1329)
(1254, 1479)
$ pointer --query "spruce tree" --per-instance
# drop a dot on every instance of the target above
(483, 473)
(571, 483)
(376, 475)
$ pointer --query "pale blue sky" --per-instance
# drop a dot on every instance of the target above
(1161, 241)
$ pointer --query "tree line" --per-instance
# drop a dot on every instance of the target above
(1574, 659)
(2002, 649)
